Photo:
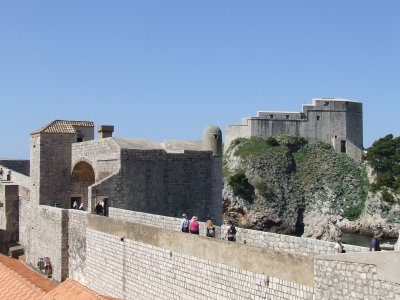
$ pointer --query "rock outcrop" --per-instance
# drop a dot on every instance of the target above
(288, 185)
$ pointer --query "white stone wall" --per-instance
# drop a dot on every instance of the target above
(132, 270)
(351, 280)
(77, 244)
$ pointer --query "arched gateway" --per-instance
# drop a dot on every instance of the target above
(82, 177)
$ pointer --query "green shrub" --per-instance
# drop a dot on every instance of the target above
(388, 197)
(354, 212)
(271, 141)
(241, 186)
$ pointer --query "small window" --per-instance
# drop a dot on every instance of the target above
(287, 117)
(271, 116)
(302, 116)
(335, 136)
(79, 139)
(326, 103)
(343, 146)
(318, 118)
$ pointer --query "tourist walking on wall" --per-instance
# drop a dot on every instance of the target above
(184, 225)
(230, 232)
(75, 205)
(81, 206)
(374, 245)
(210, 228)
(339, 246)
(8, 175)
(194, 225)
(1, 173)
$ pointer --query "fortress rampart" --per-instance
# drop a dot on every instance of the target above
(122, 258)
(334, 121)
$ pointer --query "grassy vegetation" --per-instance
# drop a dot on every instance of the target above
(256, 146)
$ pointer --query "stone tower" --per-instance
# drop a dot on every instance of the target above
(212, 139)
(51, 160)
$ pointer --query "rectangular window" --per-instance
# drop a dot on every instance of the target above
(318, 118)
(271, 116)
(287, 117)
(343, 146)
(79, 139)
(326, 103)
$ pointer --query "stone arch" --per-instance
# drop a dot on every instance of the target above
(82, 177)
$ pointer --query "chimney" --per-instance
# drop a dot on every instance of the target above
(105, 131)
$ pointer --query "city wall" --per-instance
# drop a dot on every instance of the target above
(257, 238)
(137, 261)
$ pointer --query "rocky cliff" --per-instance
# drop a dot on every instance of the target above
(292, 186)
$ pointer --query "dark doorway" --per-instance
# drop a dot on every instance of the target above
(343, 146)
(78, 201)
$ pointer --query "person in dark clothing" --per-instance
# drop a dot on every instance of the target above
(230, 232)
(99, 209)
(374, 245)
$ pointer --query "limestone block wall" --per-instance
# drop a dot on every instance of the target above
(134, 261)
(51, 168)
(9, 215)
(48, 237)
(169, 183)
(110, 187)
(77, 244)
(102, 154)
(257, 238)
(358, 276)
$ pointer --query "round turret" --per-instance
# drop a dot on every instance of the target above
(212, 139)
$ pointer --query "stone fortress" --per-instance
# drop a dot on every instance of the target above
(338, 122)
(136, 251)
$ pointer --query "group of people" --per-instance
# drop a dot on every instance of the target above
(8, 174)
(193, 226)
(373, 246)
(76, 206)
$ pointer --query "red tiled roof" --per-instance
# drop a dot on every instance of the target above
(63, 126)
(18, 282)
(71, 289)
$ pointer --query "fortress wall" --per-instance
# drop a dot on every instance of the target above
(257, 238)
(355, 127)
(9, 214)
(51, 168)
(358, 276)
(111, 188)
(152, 263)
(274, 127)
(233, 132)
(48, 236)
(77, 244)
(102, 154)
(175, 183)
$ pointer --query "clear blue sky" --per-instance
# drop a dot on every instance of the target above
(167, 69)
